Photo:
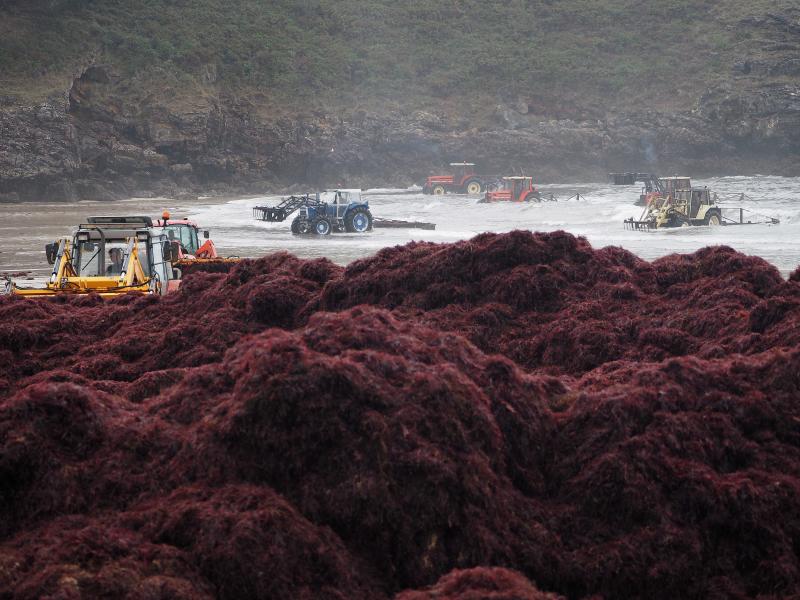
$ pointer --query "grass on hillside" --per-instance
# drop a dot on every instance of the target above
(329, 52)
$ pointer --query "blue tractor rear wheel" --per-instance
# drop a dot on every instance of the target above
(358, 221)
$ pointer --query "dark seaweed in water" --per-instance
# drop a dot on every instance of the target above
(439, 421)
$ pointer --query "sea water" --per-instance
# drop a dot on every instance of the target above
(593, 210)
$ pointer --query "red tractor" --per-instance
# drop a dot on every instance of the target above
(185, 233)
(464, 180)
(190, 255)
(514, 189)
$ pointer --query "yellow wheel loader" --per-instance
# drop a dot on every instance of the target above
(109, 256)
(693, 206)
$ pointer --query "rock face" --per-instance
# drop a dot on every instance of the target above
(759, 110)
(109, 135)
(70, 148)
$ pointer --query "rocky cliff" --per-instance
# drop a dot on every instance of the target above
(108, 132)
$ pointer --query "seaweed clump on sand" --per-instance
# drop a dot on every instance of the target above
(514, 416)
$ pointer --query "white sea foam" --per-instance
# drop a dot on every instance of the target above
(598, 216)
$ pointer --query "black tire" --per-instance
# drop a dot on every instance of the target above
(321, 226)
(299, 226)
(713, 217)
(474, 187)
(438, 190)
(358, 221)
(529, 197)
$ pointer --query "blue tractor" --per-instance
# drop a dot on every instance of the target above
(321, 213)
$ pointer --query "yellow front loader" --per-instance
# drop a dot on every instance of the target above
(108, 256)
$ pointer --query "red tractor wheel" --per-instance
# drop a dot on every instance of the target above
(473, 187)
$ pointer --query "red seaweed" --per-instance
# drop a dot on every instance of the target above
(480, 583)
(437, 421)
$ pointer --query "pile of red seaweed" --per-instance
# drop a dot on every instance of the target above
(514, 416)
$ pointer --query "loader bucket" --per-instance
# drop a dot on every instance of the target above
(270, 214)
(205, 265)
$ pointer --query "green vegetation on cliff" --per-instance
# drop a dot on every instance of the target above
(626, 51)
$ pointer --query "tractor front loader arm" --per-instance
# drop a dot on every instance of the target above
(278, 213)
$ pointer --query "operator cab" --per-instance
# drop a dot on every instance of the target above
(185, 234)
(340, 200)
(94, 257)
(340, 197)
(693, 199)
(183, 231)
(462, 169)
(103, 247)
(517, 185)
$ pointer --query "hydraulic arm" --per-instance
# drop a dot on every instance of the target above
(286, 207)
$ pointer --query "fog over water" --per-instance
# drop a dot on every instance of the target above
(26, 228)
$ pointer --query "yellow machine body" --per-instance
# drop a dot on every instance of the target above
(65, 280)
(142, 261)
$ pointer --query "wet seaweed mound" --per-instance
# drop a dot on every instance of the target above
(515, 416)
(551, 302)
